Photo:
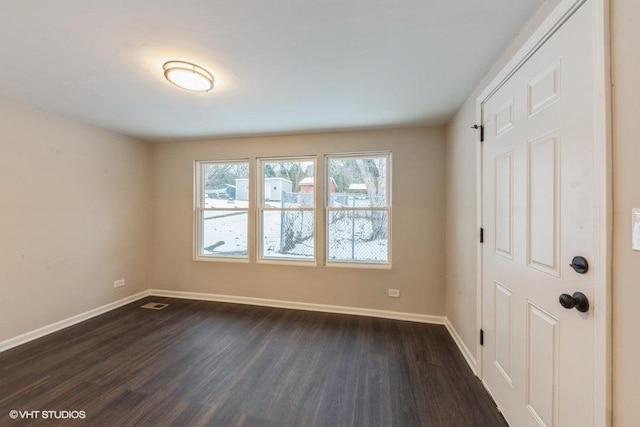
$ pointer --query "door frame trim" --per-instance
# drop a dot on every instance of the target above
(603, 187)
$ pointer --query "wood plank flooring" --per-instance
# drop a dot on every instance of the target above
(203, 363)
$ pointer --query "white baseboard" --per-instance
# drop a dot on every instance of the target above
(468, 355)
(70, 321)
(397, 315)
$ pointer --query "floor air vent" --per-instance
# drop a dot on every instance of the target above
(154, 306)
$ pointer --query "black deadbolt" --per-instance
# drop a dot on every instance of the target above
(579, 301)
(579, 264)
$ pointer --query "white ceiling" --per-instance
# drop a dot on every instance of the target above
(281, 66)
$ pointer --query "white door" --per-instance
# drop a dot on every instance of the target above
(538, 213)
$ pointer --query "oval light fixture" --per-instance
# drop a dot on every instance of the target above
(188, 76)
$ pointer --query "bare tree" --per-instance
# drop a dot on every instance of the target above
(374, 175)
(294, 172)
(225, 173)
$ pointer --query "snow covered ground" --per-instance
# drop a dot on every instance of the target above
(230, 227)
(342, 247)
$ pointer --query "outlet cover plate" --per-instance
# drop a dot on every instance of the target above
(635, 230)
(394, 293)
(118, 283)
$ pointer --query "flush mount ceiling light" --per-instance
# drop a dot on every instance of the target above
(188, 76)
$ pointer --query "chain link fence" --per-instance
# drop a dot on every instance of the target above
(358, 235)
(357, 228)
(290, 233)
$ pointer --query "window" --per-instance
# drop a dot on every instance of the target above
(287, 209)
(358, 203)
(222, 210)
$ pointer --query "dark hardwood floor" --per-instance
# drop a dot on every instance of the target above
(204, 363)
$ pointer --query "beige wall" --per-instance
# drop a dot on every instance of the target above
(461, 226)
(74, 217)
(418, 218)
(626, 195)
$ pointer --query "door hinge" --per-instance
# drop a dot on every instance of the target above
(481, 127)
(481, 235)
(481, 336)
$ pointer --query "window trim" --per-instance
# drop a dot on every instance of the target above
(198, 211)
(383, 265)
(260, 208)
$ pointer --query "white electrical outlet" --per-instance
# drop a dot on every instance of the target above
(394, 293)
(118, 283)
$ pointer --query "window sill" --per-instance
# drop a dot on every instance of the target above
(362, 265)
(289, 262)
(221, 259)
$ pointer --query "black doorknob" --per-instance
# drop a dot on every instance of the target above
(579, 264)
(578, 300)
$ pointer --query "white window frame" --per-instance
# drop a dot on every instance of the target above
(261, 208)
(200, 209)
(388, 209)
